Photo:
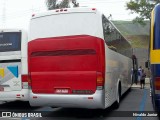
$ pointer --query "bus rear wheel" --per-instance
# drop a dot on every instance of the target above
(117, 103)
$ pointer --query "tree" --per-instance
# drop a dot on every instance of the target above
(64, 4)
(75, 4)
(51, 4)
(142, 8)
(55, 4)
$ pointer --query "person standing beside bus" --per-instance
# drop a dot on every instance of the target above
(139, 73)
(142, 81)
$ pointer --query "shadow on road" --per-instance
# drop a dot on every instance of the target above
(16, 105)
(84, 113)
(63, 112)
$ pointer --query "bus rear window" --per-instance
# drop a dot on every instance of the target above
(10, 41)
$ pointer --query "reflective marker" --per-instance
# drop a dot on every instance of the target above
(90, 98)
(34, 96)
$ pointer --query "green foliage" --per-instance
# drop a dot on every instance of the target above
(138, 41)
(128, 28)
(137, 35)
(142, 8)
(52, 4)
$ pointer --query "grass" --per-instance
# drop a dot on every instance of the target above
(130, 28)
(138, 41)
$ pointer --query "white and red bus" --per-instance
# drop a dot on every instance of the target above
(77, 58)
(13, 65)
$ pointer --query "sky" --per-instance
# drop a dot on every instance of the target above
(17, 13)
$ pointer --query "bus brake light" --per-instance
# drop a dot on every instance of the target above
(29, 79)
(100, 80)
(24, 78)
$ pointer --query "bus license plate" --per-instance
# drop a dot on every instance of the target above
(62, 91)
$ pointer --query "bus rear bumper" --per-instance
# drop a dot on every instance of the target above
(94, 101)
(8, 96)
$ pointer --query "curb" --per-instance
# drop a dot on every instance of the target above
(147, 85)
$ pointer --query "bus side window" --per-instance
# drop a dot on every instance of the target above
(109, 33)
(113, 38)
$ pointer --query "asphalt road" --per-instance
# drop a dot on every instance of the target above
(134, 101)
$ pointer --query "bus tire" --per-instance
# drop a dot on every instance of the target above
(129, 90)
(153, 102)
(117, 103)
(53, 107)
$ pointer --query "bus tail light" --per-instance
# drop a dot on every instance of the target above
(29, 79)
(35, 97)
(100, 81)
(24, 78)
(157, 83)
(18, 95)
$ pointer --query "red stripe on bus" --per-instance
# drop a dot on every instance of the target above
(71, 61)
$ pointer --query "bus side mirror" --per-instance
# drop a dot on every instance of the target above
(147, 64)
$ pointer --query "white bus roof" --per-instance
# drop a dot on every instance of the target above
(11, 30)
(65, 11)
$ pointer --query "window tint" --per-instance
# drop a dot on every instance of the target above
(10, 41)
(114, 40)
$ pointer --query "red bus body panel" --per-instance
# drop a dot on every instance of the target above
(70, 63)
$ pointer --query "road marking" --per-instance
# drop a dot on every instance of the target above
(142, 105)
